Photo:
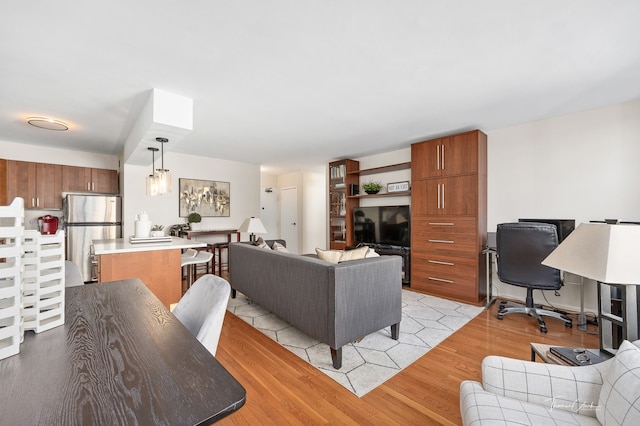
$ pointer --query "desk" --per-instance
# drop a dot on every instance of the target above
(202, 232)
(489, 254)
(121, 358)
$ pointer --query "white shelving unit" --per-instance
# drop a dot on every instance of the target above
(43, 281)
(11, 230)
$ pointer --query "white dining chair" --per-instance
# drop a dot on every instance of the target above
(202, 309)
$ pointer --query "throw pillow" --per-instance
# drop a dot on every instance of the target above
(332, 256)
(337, 256)
(279, 247)
(262, 243)
(619, 401)
(372, 253)
(359, 253)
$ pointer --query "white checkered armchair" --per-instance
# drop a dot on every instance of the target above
(529, 393)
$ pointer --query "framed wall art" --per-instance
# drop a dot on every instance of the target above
(207, 197)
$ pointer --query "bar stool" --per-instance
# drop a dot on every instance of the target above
(218, 250)
(191, 258)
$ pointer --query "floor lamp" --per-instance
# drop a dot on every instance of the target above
(252, 225)
(608, 254)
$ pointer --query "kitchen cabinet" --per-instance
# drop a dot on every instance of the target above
(39, 184)
(449, 216)
(86, 179)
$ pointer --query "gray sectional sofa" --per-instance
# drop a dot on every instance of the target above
(333, 303)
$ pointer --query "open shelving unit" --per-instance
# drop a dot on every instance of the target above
(381, 169)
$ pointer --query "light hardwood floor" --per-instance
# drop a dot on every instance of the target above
(282, 389)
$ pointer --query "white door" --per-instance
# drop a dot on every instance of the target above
(289, 218)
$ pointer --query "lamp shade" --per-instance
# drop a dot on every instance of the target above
(252, 225)
(602, 252)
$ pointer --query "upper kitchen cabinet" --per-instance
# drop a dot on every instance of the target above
(446, 156)
(86, 179)
(40, 185)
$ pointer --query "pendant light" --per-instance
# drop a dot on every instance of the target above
(162, 175)
(152, 182)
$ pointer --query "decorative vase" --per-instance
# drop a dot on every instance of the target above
(195, 225)
(371, 191)
(157, 233)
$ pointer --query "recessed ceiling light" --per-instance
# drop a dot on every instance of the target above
(48, 123)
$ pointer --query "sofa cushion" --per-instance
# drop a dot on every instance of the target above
(332, 256)
(619, 401)
(260, 242)
(337, 256)
(279, 247)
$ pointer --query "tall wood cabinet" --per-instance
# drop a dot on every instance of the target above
(449, 216)
(341, 206)
(37, 183)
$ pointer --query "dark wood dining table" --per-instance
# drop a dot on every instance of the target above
(121, 358)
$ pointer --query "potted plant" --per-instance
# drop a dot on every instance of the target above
(157, 231)
(194, 218)
(372, 187)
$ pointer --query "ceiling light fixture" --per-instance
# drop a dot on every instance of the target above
(162, 175)
(152, 182)
(48, 123)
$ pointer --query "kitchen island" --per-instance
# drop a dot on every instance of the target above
(157, 264)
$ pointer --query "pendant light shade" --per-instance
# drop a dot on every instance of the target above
(162, 175)
(152, 183)
(159, 181)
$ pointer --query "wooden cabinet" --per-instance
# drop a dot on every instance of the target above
(340, 204)
(448, 216)
(37, 183)
(86, 179)
(447, 156)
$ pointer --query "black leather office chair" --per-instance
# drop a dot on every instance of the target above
(521, 247)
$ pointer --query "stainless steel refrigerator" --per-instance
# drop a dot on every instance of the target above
(88, 218)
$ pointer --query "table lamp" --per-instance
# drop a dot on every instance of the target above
(607, 254)
(252, 225)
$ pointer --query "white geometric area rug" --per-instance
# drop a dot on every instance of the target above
(426, 321)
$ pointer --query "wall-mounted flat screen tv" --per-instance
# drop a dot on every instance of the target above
(387, 225)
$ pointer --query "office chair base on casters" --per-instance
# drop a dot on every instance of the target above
(532, 311)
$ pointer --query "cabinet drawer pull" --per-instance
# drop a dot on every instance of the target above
(442, 224)
(441, 280)
(438, 196)
(437, 157)
(33, 202)
(442, 157)
(443, 194)
(441, 241)
(439, 262)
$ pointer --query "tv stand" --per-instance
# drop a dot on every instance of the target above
(402, 251)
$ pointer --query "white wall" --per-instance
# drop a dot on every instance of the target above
(312, 209)
(270, 205)
(244, 179)
(583, 166)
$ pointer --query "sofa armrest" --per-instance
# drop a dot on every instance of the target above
(574, 389)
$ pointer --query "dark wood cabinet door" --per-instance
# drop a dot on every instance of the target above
(451, 196)
(104, 181)
(49, 186)
(425, 159)
(459, 154)
(76, 178)
(21, 182)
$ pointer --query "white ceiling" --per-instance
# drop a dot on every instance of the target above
(292, 84)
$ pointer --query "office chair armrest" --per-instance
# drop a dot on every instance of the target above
(574, 389)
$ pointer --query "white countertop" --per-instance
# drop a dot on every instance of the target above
(122, 245)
